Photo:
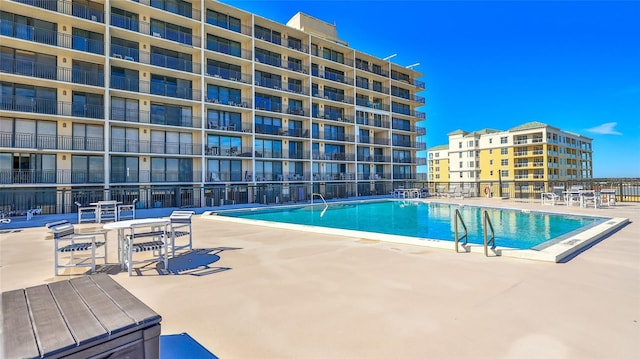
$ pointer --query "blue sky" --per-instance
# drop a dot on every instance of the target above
(497, 64)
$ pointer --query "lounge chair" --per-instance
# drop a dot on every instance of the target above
(440, 192)
(608, 196)
(453, 190)
(549, 198)
(588, 198)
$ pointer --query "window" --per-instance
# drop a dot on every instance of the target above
(268, 57)
(88, 41)
(88, 73)
(400, 124)
(362, 82)
(268, 125)
(224, 95)
(363, 136)
(223, 119)
(171, 59)
(171, 170)
(268, 171)
(490, 162)
(504, 162)
(124, 169)
(224, 70)
(172, 115)
(87, 105)
(28, 63)
(459, 144)
(124, 19)
(23, 133)
(335, 133)
(26, 98)
(333, 55)
(225, 46)
(125, 109)
(218, 145)
(222, 20)
(294, 43)
(377, 86)
(170, 86)
(87, 169)
(294, 64)
(268, 102)
(503, 140)
(268, 148)
(400, 92)
(504, 151)
(333, 74)
(125, 139)
(266, 79)
(124, 79)
(27, 28)
(88, 137)
(504, 173)
(224, 170)
(124, 49)
(173, 6)
(472, 164)
(171, 142)
(267, 34)
(460, 164)
(171, 31)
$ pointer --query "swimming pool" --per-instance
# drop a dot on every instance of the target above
(431, 222)
(514, 229)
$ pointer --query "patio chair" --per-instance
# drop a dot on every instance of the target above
(453, 190)
(608, 196)
(440, 192)
(127, 211)
(87, 214)
(180, 227)
(588, 198)
(63, 231)
(549, 198)
(147, 237)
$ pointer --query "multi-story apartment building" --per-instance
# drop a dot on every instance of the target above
(522, 159)
(194, 103)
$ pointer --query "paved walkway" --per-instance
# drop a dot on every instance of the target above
(258, 292)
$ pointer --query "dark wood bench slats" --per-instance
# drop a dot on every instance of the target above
(51, 331)
(19, 341)
(134, 307)
(82, 324)
(105, 310)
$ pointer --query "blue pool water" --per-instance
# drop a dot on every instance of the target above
(513, 228)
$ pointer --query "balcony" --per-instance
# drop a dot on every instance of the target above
(374, 105)
(51, 107)
(169, 62)
(175, 176)
(69, 8)
(332, 76)
(51, 177)
(229, 50)
(237, 102)
(178, 8)
(170, 90)
(53, 38)
(51, 142)
(322, 156)
(373, 122)
(220, 73)
(378, 70)
(135, 115)
(50, 72)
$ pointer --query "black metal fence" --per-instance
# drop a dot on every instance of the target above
(17, 201)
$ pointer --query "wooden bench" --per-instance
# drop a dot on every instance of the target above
(78, 318)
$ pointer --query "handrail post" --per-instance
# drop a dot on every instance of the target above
(492, 241)
(455, 228)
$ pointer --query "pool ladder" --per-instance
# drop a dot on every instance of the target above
(323, 200)
(486, 225)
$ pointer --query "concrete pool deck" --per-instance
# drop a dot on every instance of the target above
(255, 292)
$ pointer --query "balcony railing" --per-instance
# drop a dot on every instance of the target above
(68, 8)
(51, 107)
(50, 177)
(374, 70)
(334, 117)
(229, 50)
(178, 9)
(244, 102)
(51, 142)
(138, 146)
(169, 62)
(332, 76)
(323, 156)
(370, 104)
(217, 72)
(50, 37)
(52, 72)
(133, 115)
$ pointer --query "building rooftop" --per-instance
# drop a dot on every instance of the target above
(439, 148)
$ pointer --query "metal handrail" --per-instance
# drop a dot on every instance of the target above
(323, 200)
(455, 228)
(491, 241)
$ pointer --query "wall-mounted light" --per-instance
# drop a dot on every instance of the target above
(64, 92)
(64, 28)
(144, 102)
(144, 46)
(144, 74)
(145, 130)
(64, 157)
(144, 159)
(64, 60)
(64, 125)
